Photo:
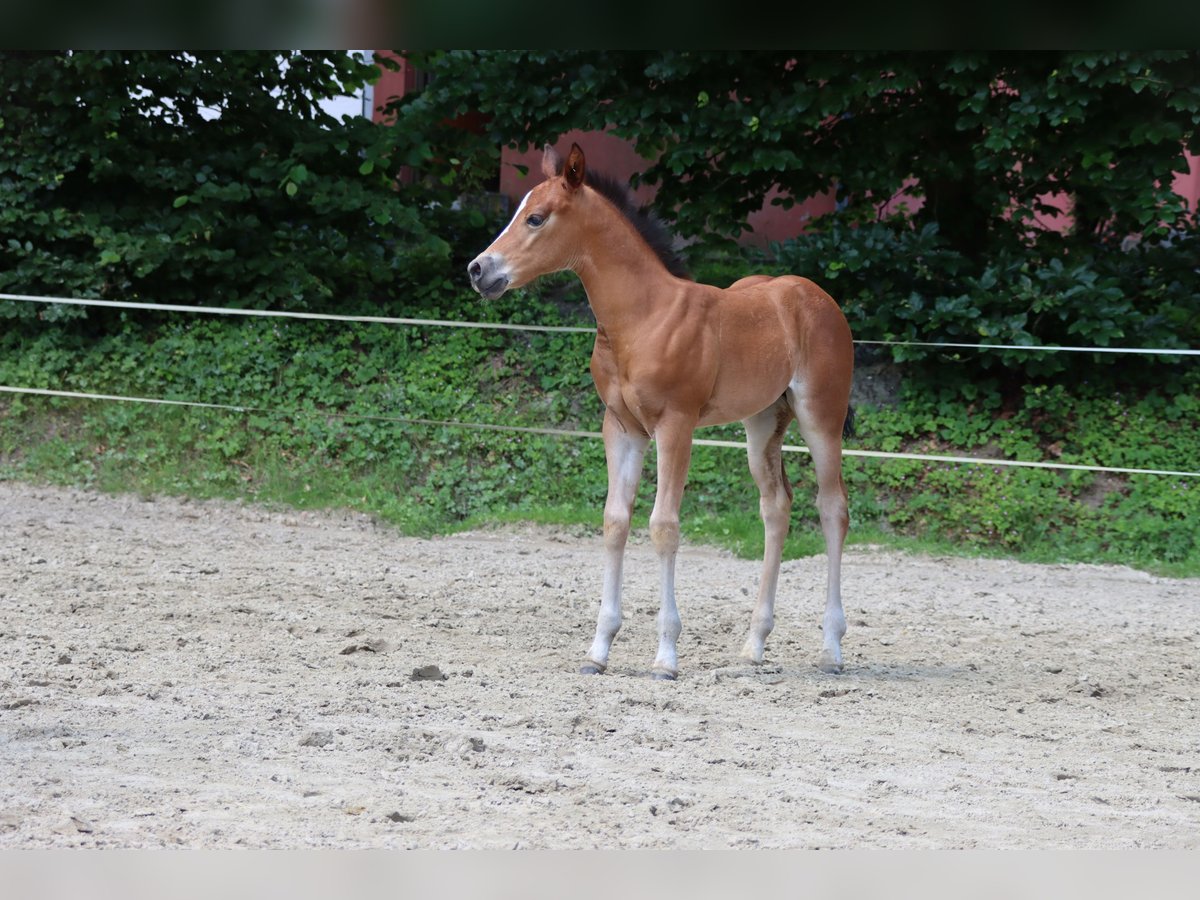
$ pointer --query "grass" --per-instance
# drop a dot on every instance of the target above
(316, 449)
(167, 457)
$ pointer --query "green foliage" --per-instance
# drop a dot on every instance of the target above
(975, 146)
(988, 135)
(324, 419)
(324, 427)
(1140, 520)
(116, 181)
(907, 284)
(217, 179)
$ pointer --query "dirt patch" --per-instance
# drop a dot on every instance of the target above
(1103, 486)
(215, 675)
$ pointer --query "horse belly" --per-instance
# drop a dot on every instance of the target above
(741, 391)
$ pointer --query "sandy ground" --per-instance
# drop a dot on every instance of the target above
(176, 673)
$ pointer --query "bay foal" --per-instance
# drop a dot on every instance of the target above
(672, 355)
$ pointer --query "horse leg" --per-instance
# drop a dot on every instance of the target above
(821, 428)
(624, 452)
(764, 437)
(674, 455)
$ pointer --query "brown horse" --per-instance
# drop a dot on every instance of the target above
(672, 355)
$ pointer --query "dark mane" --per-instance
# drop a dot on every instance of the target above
(648, 225)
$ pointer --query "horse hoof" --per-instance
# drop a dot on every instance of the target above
(591, 668)
(752, 654)
(663, 676)
(829, 664)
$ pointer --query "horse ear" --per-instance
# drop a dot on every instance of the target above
(576, 167)
(551, 162)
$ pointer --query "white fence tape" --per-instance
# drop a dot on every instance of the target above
(505, 326)
(448, 323)
(1045, 348)
(564, 432)
(278, 314)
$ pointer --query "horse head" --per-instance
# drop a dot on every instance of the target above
(543, 235)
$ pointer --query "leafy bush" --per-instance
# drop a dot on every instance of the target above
(984, 139)
(905, 284)
(987, 135)
(1137, 519)
(217, 179)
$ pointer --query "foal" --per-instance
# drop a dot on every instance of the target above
(672, 355)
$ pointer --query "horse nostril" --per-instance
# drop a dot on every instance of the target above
(474, 270)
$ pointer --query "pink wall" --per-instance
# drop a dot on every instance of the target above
(1188, 183)
(391, 84)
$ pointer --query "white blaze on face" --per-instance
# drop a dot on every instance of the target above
(516, 216)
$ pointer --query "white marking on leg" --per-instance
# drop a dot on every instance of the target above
(666, 661)
(674, 456)
(833, 626)
(764, 435)
(825, 445)
(624, 453)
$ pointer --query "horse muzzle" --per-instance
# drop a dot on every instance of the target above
(489, 276)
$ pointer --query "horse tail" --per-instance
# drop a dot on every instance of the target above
(848, 425)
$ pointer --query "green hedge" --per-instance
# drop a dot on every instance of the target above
(899, 283)
(321, 442)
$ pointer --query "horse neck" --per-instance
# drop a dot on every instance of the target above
(622, 276)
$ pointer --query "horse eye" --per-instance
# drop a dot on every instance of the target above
(535, 221)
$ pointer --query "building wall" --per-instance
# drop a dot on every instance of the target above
(392, 84)
(1187, 183)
